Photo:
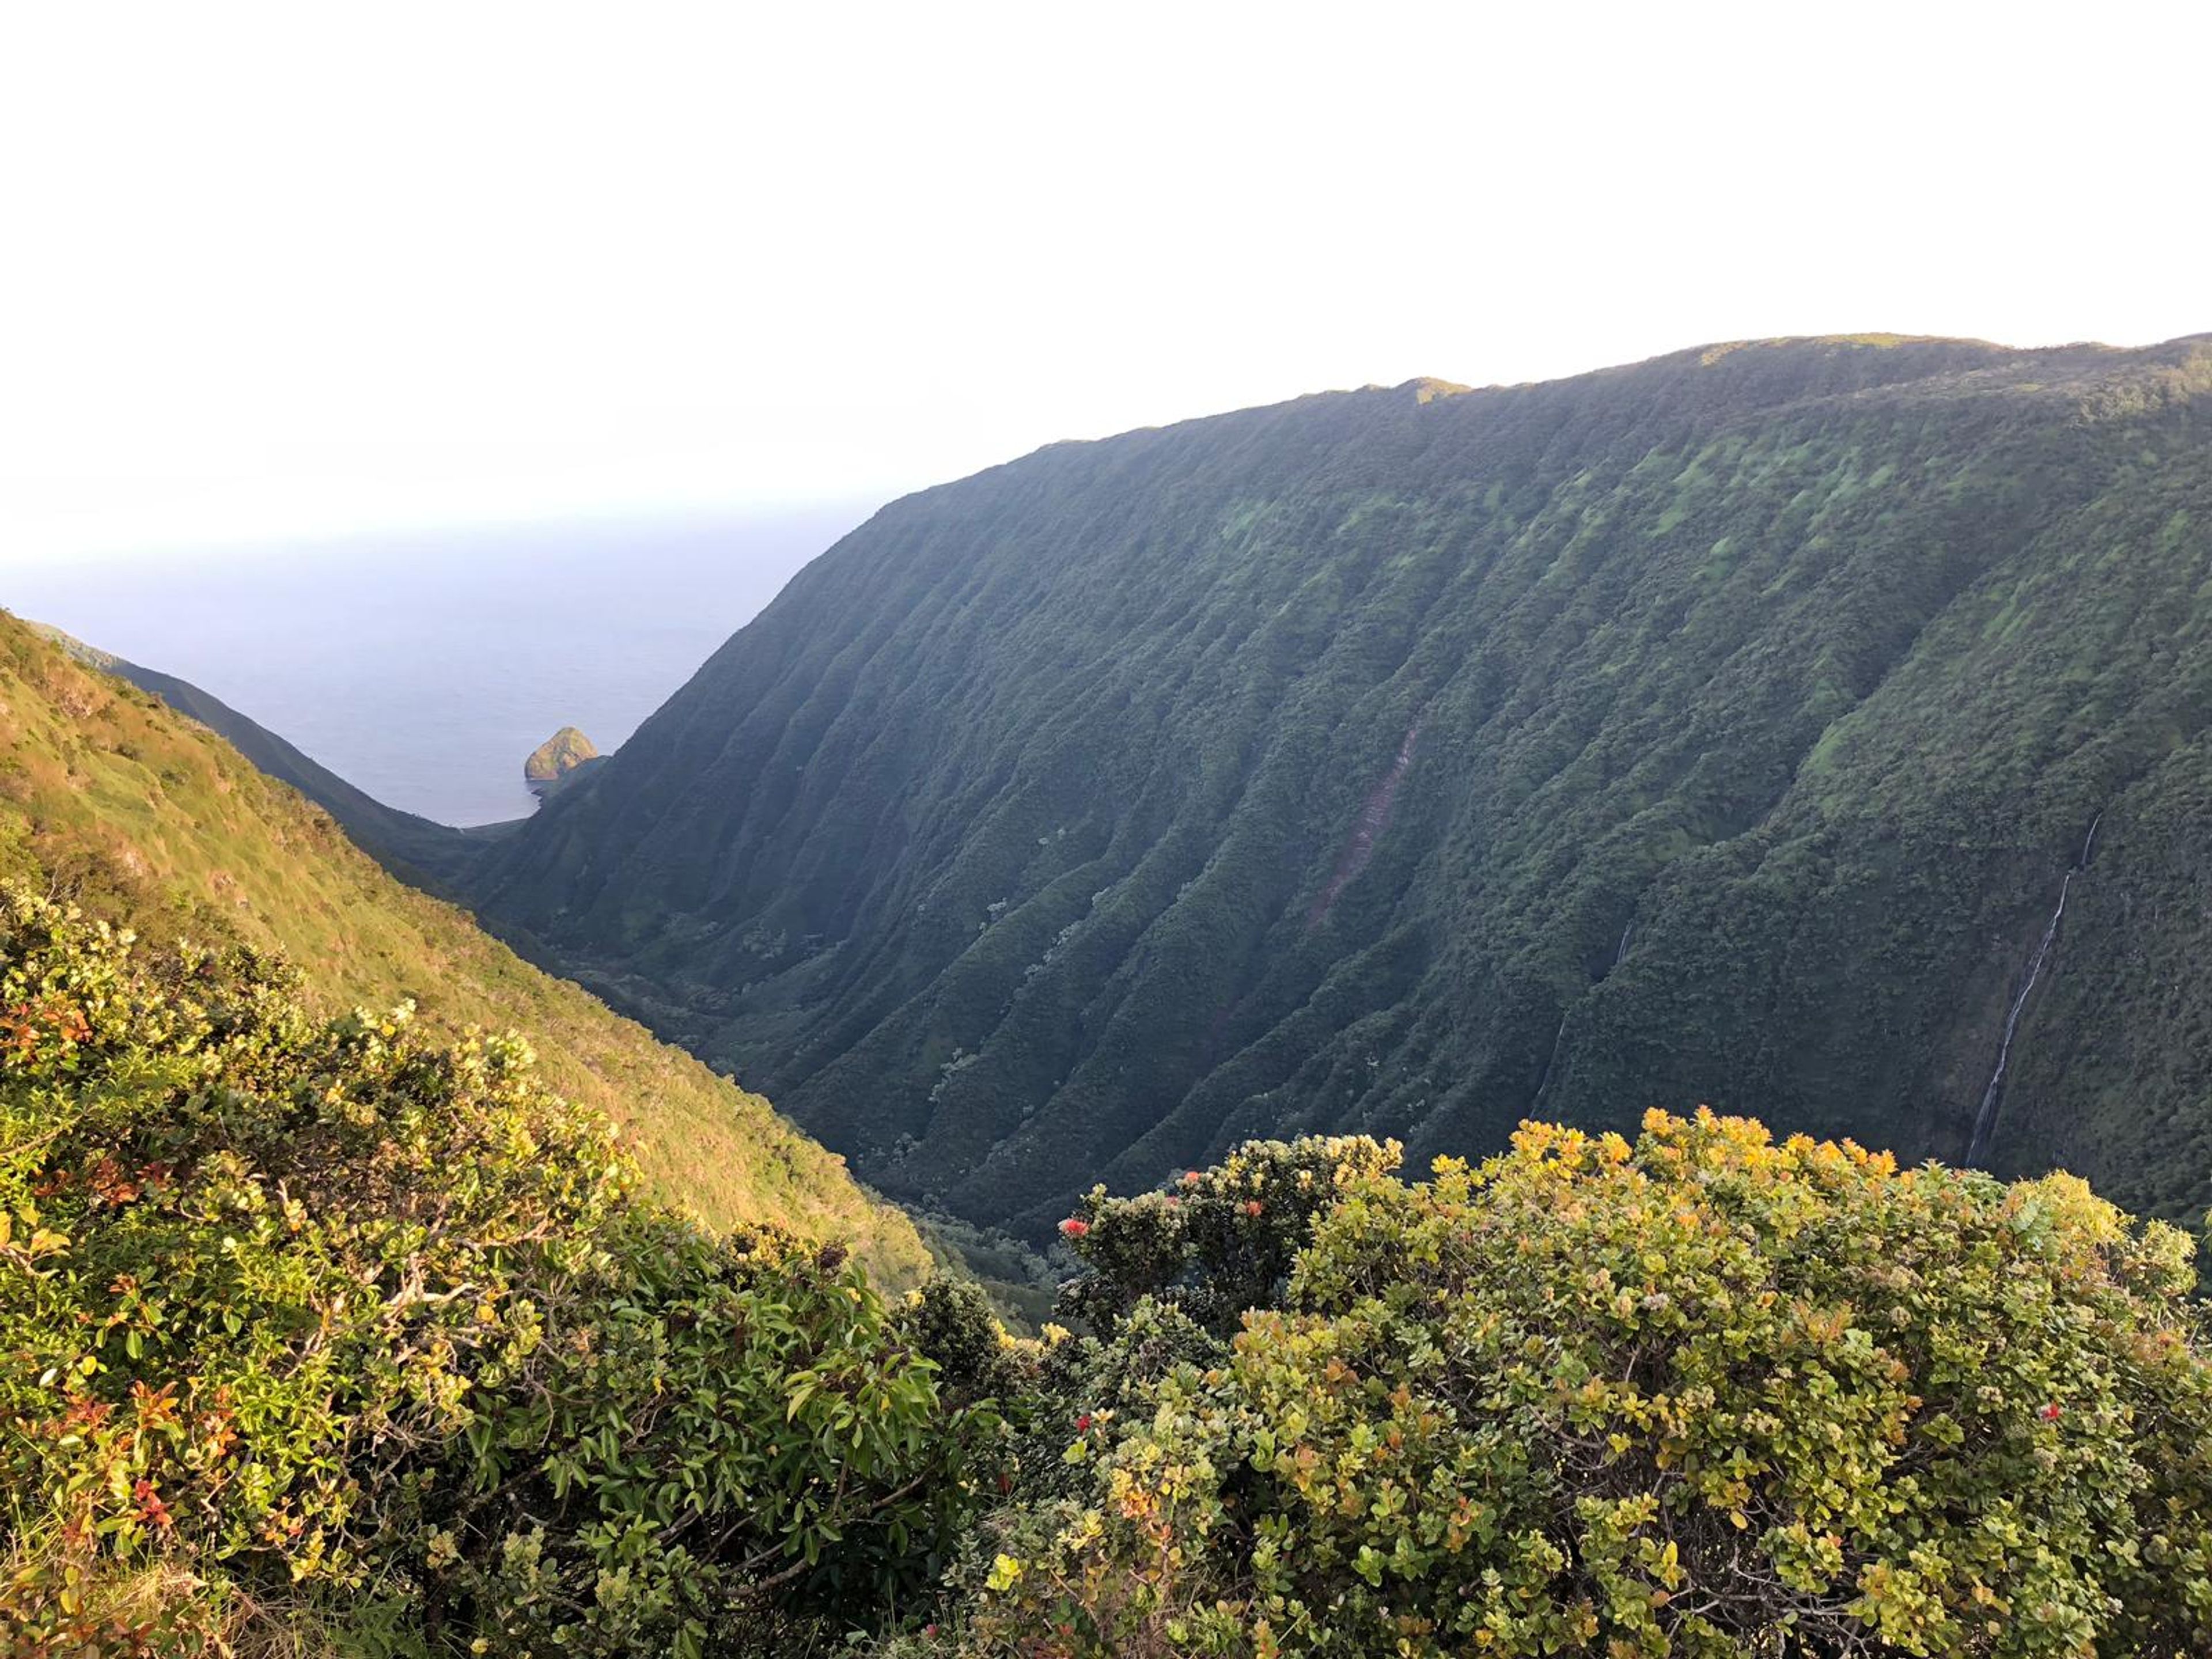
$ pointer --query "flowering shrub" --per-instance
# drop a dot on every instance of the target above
(311, 1309)
(1704, 1395)
(309, 1314)
(1222, 1240)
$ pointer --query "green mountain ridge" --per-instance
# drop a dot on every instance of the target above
(1722, 728)
(420, 850)
(1338, 729)
(121, 790)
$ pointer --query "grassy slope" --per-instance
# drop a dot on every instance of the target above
(108, 794)
(424, 853)
(1001, 848)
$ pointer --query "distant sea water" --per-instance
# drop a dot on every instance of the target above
(424, 666)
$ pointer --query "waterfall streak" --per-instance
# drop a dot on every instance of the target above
(1544, 1082)
(1986, 1117)
(1620, 956)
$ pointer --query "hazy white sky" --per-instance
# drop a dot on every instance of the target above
(286, 270)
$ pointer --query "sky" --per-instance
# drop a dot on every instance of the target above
(303, 271)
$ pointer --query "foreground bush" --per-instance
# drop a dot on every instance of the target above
(310, 1325)
(1701, 1395)
(310, 1311)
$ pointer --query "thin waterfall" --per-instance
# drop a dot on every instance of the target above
(1986, 1118)
(1620, 956)
(1544, 1082)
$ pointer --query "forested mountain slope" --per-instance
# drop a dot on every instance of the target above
(110, 797)
(1719, 729)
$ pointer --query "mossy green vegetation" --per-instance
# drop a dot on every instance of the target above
(370, 1343)
(1702, 1393)
(110, 797)
(1052, 826)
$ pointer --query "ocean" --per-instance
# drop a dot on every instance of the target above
(424, 666)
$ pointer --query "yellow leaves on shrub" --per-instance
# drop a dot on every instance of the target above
(1701, 1393)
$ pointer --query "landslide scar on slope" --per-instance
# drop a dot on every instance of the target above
(1374, 819)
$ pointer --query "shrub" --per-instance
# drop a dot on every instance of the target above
(1217, 1241)
(1705, 1394)
(312, 1304)
(951, 1322)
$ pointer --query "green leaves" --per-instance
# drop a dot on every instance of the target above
(320, 1307)
(1702, 1393)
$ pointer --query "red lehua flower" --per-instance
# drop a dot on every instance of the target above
(929, 1630)
(2050, 1413)
(1191, 1178)
(1253, 1207)
(1083, 1423)
(1074, 1227)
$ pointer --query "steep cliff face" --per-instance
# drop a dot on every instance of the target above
(1720, 729)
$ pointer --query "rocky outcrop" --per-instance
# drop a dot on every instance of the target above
(552, 762)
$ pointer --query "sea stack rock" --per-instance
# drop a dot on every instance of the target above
(553, 760)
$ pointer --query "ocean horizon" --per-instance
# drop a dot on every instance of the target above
(424, 665)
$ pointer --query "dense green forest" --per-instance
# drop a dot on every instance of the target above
(1410, 761)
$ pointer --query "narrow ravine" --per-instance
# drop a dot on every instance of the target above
(1559, 1036)
(1374, 819)
(1544, 1082)
(1986, 1118)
